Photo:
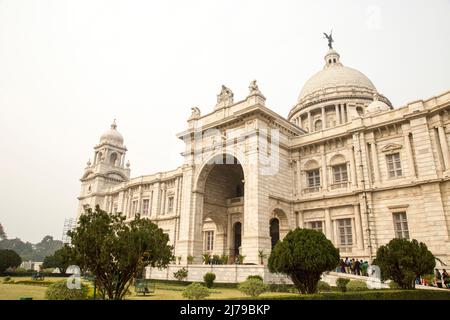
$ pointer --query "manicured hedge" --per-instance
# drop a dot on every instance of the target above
(42, 283)
(30, 274)
(368, 295)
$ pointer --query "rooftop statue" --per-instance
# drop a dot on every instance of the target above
(330, 39)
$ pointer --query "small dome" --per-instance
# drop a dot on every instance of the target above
(112, 136)
(334, 75)
(377, 106)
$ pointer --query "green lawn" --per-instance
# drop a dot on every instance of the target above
(172, 291)
(15, 291)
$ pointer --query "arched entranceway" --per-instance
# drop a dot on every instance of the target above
(221, 184)
(274, 231)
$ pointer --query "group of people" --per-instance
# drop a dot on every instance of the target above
(353, 266)
(441, 280)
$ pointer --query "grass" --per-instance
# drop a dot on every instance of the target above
(15, 291)
(173, 291)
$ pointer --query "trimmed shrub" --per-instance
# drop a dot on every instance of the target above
(195, 291)
(42, 283)
(402, 260)
(365, 295)
(256, 276)
(209, 279)
(341, 283)
(181, 274)
(357, 285)
(252, 287)
(322, 286)
(59, 291)
(304, 255)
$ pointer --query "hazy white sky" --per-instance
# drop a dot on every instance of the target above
(68, 68)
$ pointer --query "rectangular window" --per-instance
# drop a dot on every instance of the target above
(170, 206)
(316, 225)
(115, 207)
(394, 165)
(145, 206)
(209, 240)
(340, 173)
(313, 178)
(345, 232)
(401, 225)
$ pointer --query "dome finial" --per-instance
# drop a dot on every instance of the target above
(329, 37)
(114, 124)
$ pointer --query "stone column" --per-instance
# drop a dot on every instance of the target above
(376, 168)
(444, 147)
(353, 168)
(310, 122)
(163, 199)
(299, 179)
(229, 235)
(139, 205)
(338, 116)
(409, 153)
(324, 170)
(329, 225)
(358, 227)
(324, 120)
(175, 197)
(301, 221)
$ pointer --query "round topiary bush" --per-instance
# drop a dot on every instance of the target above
(252, 287)
(209, 279)
(304, 255)
(195, 291)
(256, 276)
(341, 283)
(60, 291)
(322, 286)
(357, 285)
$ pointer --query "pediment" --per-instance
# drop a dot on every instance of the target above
(391, 147)
(115, 176)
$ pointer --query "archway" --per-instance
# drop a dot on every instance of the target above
(274, 231)
(221, 183)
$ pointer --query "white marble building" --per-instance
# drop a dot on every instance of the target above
(344, 161)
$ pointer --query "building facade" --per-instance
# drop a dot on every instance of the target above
(344, 162)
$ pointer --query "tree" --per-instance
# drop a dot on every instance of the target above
(2, 233)
(23, 249)
(115, 251)
(9, 259)
(46, 247)
(403, 261)
(304, 255)
(61, 259)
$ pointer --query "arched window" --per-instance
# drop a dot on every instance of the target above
(113, 159)
(318, 125)
(99, 157)
(274, 231)
(360, 111)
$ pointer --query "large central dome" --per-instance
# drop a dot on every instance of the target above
(337, 85)
(335, 76)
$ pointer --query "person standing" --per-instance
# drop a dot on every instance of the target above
(357, 267)
(437, 278)
(445, 279)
